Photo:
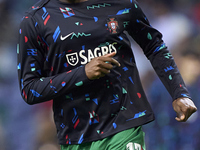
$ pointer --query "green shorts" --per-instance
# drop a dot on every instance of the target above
(131, 139)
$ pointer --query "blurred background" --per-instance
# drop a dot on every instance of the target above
(25, 127)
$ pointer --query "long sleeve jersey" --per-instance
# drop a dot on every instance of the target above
(57, 40)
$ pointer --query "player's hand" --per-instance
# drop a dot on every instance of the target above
(100, 66)
(184, 108)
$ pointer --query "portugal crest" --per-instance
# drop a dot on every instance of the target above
(113, 25)
(72, 59)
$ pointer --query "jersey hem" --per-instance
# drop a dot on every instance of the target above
(129, 126)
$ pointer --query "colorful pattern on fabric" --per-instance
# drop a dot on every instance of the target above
(56, 42)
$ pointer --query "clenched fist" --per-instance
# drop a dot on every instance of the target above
(184, 108)
(100, 66)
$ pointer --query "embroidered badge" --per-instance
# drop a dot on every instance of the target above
(113, 25)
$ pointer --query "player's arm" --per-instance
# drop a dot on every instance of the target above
(35, 86)
(150, 40)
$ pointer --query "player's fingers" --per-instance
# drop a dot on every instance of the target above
(104, 71)
(110, 55)
(193, 108)
(115, 62)
(101, 73)
(110, 60)
(179, 114)
(184, 113)
(181, 117)
(189, 111)
(107, 65)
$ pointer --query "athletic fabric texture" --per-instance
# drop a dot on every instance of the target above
(57, 40)
(131, 139)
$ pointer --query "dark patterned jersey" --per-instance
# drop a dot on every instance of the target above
(57, 40)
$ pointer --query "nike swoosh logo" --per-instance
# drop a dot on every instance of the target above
(63, 38)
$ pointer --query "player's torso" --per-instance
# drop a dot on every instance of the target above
(76, 33)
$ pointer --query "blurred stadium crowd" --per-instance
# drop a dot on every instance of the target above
(24, 127)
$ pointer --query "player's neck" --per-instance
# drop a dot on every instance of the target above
(73, 1)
